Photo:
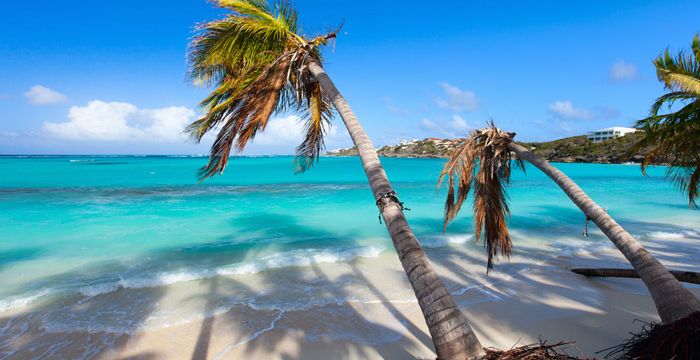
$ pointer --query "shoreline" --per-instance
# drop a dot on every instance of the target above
(531, 296)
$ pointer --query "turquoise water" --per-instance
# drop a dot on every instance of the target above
(90, 225)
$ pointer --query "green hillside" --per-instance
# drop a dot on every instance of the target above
(571, 149)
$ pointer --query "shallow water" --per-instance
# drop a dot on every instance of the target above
(75, 228)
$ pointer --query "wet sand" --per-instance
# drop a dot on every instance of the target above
(358, 310)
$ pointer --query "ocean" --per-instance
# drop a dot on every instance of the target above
(88, 239)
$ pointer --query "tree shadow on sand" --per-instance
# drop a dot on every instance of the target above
(77, 327)
(572, 307)
(311, 307)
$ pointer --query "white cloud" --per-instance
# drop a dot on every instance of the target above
(285, 133)
(566, 110)
(115, 121)
(456, 127)
(281, 131)
(457, 99)
(458, 124)
(622, 71)
(41, 95)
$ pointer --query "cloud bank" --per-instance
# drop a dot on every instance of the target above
(119, 121)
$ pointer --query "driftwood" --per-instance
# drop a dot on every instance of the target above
(684, 276)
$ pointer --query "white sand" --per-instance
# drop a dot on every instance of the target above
(532, 296)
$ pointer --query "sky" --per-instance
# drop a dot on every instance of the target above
(98, 77)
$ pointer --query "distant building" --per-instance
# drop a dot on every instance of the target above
(609, 133)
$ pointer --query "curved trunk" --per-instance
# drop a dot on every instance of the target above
(673, 301)
(452, 336)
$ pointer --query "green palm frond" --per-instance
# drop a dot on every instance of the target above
(683, 82)
(669, 99)
(257, 63)
(680, 72)
(673, 137)
(687, 179)
(233, 47)
(482, 162)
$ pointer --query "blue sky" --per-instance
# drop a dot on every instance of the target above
(96, 77)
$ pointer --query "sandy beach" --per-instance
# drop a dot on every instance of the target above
(282, 180)
(369, 313)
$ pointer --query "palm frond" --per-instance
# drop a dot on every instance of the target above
(316, 124)
(459, 170)
(673, 137)
(686, 83)
(669, 99)
(246, 113)
(680, 72)
(687, 179)
(482, 162)
(258, 64)
(232, 47)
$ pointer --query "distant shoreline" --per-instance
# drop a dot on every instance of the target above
(577, 149)
(391, 156)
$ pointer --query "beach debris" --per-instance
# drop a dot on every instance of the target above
(684, 276)
(540, 351)
(679, 340)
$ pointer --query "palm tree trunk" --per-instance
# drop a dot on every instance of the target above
(673, 301)
(451, 333)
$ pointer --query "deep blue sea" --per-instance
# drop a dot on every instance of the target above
(84, 226)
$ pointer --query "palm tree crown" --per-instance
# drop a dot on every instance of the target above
(488, 147)
(673, 137)
(257, 61)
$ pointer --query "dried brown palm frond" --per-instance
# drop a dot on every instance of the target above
(679, 340)
(482, 162)
(540, 351)
(258, 63)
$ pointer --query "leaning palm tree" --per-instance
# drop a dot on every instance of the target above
(259, 65)
(673, 137)
(483, 161)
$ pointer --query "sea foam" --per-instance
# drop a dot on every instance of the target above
(293, 258)
(21, 301)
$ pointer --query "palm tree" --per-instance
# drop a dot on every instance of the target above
(492, 148)
(260, 65)
(673, 137)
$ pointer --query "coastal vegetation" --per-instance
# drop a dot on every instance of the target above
(575, 149)
(259, 64)
(483, 161)
(673, 137)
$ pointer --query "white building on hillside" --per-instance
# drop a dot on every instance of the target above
(609, 133)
